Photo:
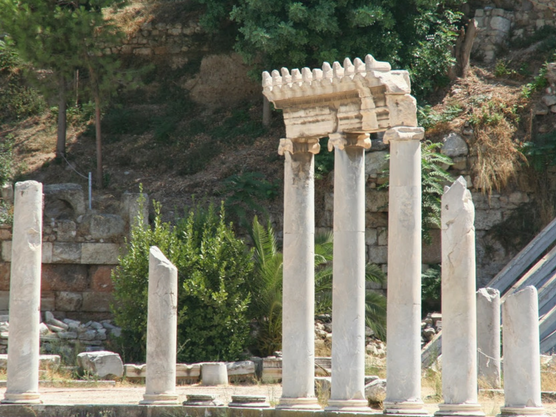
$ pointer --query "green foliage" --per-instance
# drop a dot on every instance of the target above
(17, 100)
(428, 118)
(6, 159)
(433, 179)
(541, 153)
(538, 83)
(266, 287)
(431, 291)
(6, 213)
(324, 160)
(417, 34)
(213, 270)
(246, 193)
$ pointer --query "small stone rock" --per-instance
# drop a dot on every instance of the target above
(549, 100)
(375, 391)
(454, 145)
(103, 364)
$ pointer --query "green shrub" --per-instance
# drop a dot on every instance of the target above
(6, 159)
(431, 290)
(213, 296)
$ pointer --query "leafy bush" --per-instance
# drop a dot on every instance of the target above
(419, 36)
(431, 290)
(213, 295)
(17, 99)
(6, 159)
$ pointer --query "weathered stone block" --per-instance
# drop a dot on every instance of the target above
(4, 300)
(373, 220)
(371, 237)
(4, 276)
(377, 201)
(485, 219)
(431, 252)
(64, 278)
(375, 163)
(101, 280)
(66, 253)
(48, 300)
(70, 195)
(378, 254)
(102, 226)
(68, 301)
(454, 145)
(97, 302)
(100, 253)
(103, 364)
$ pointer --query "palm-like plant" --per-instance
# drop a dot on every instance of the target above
(266, 288)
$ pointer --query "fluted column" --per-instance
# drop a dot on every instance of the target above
(459, 314)
(348, 294)
(25, 296)
(403, 361)
(522, 373)
(298, 300)
(162, 330)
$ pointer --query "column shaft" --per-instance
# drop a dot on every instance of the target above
(459, 316)
(348, 294)
(488, 336)
(403, 361)
(522, 374)
(298, 349)
(25, 295)
(162, 325)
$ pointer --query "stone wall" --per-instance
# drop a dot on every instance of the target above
(500, 22)
(489, 210)
(80, 248)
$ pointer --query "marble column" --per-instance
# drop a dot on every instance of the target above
(488, 337)
(403, 360)
(459, 314)
(298, 300)
(348, 293)
(25, 296)
(162, 325)
(522, 373)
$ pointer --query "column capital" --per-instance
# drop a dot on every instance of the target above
(342, 139)
(299, 145)
(404, 133)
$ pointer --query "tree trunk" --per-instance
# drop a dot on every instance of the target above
(99, 141)
(462, 51)
(61, 137)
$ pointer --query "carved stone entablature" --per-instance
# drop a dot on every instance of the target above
(358, 97)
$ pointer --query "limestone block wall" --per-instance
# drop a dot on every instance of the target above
(79, 250)
(490, 211)
(500, 21)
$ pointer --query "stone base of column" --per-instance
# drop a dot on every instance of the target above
(22, 398)
(301, 403)
(349, 406)
(522, 411)
(405, 408)
(159, 399)
(464, 410)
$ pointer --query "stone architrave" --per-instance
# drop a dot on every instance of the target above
(348, 298)
(25, 296)
(403, 359)
(488, 337)
(162, 325)
(298, 349)
(522, 374)
(459, 316)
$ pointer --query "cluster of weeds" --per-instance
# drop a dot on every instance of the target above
(429, 118)
(538, 83)
(498, 155)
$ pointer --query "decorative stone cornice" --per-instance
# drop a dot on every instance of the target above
(403, 133)
(342, 140)
(303, 145)
(358, 97)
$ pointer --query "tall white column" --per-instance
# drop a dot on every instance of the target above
(25, 296)
(403, 361)
(459, 315)
(488, 336)
(162, 324)
(522, 374)
(348, 294)
(298, 300)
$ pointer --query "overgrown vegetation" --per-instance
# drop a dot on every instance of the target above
(498, 153)
(431, 291)
(214, 270)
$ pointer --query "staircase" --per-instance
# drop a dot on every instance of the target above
(534, 265)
